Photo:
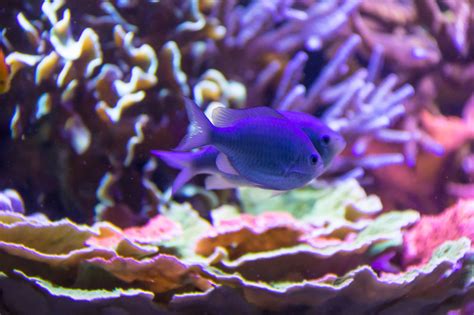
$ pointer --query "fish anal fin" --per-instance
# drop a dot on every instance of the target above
(218, 182)
(224, 165)
(276, 193)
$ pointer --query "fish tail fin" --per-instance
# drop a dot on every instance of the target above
(179, 160)
(199, 130)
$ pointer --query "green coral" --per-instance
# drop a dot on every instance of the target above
(23, 295)
(360, 290)
(84, 295)
(336, 205)
(193, 227)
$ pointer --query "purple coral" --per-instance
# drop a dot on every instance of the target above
(10, 200)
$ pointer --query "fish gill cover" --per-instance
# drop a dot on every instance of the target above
(87, 219)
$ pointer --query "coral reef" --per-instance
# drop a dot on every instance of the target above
(87, 221)
(429, 42)
(274, 261)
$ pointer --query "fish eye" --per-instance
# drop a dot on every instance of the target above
(326, 139)
(314, 159)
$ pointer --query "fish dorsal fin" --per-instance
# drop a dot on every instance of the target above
(224, 165)
(224, 117)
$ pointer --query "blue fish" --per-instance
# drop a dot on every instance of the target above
(261, 146)
(190, 163)
(328, 143)
(202, 161)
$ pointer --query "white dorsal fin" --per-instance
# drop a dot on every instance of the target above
(224, 117)
(224, 165)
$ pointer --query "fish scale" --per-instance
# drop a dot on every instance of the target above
(263, 155)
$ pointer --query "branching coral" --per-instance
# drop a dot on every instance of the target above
(82, 91)
(111, 100)
(429, 41)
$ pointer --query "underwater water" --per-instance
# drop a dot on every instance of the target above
(236, 157)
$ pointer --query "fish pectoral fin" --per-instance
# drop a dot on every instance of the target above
(225, 117)
(224, 165)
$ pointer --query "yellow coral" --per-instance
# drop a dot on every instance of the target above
(213, 86)
(30, 30)
(46, 67)
(86, 48)
(143, 56)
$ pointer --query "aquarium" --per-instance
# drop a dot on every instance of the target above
(236, 157)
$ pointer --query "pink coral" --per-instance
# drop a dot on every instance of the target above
(450, 131)
(433, 230)
(157, 229)
(258, 223)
